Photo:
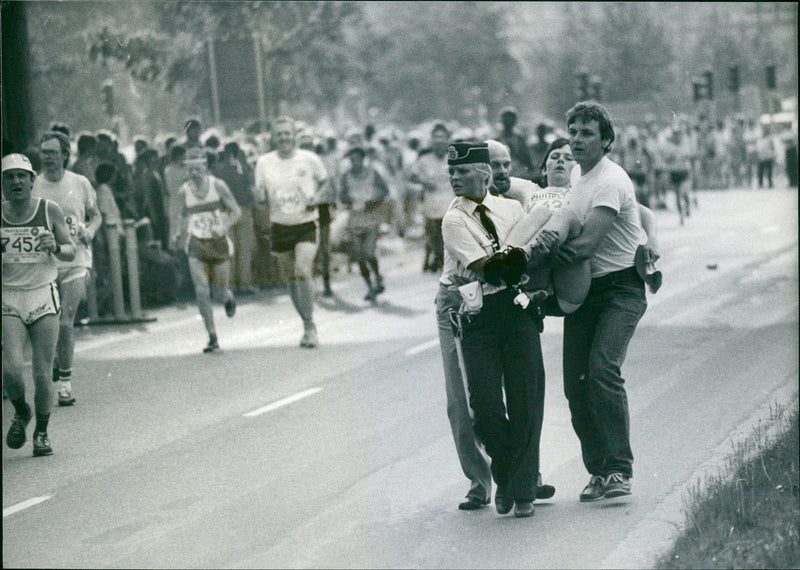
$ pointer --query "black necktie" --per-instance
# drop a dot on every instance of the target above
(488, 224)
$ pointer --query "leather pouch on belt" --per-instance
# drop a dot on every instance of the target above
(471, 298)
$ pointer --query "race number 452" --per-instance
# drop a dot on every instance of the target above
(22, 245)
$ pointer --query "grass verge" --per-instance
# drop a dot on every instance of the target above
(747, 515)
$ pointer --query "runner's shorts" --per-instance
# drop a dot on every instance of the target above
(678, 176)
(284, 238)
(30, 305)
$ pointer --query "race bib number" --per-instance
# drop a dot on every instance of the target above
(206, 225)
(21, 245)
(291, 202)
(72, 223)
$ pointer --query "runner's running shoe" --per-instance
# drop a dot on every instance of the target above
(309, 339)
(16, 433)
(41, 444)
(65, 397)
(230, 307)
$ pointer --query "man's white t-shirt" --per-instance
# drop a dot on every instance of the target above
(290, 185)
(607, 184)
(75, 195)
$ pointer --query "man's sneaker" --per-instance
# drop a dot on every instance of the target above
(309, 339)
(16, 433)
(617, 485)
(230, 307)
(41, 444)
(65, 397)
(594, 491)
(211, 346)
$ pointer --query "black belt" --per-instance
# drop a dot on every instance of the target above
(623, 275)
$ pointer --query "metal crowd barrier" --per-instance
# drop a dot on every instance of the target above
(115, 261)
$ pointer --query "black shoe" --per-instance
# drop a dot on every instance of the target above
(523, 509)
(544, 491)
(473, 504)
(379, 288)
(230, 307)
(327, 292)
(594, 490)
(211, 346)
(503, 502)
(371, 296)
(16, 433)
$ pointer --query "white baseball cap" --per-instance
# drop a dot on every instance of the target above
(15, 160)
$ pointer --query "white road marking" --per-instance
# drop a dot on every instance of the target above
(24, 505)
(284, 402)
(422, 347)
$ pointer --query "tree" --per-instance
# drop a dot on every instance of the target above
(302, 46)
(433, 57)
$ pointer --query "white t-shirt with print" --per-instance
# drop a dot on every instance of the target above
(290, 185)
(75, 195)
(607, 184)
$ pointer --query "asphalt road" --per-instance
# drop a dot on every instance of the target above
(269, 455)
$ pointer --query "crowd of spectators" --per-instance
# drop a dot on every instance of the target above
(140, 182)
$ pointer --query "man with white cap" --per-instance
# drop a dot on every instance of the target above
(78, 200)
(34, 233)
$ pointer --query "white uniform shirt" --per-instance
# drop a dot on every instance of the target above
(467, 241)
(607, 184)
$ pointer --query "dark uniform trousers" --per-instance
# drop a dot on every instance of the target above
(501, 346)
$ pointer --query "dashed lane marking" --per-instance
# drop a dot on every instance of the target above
(422, 347)
(284, 402)
(24, 505)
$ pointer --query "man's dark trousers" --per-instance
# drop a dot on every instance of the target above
(596, 338)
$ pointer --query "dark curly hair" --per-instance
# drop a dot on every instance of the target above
(586, 111)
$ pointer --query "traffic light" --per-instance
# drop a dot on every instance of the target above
(108, 97)
(708, 76)
(697, 90)
(583, 85)
(771, 78)
(733, 78)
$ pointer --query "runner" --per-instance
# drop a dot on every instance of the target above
(78, 201)
(291, 181)
(430, 171)
(364, 191)
(34, 233)
(209, 211)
